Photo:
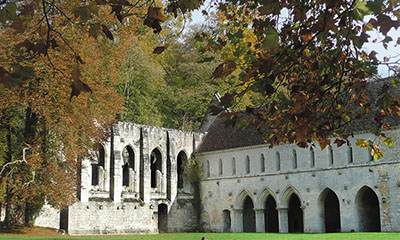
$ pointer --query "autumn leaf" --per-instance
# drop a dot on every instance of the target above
(218, 71)
(306, 35)
(227, 99)
(159, 49)
(339, 142)
(155, 16)
(77, 85)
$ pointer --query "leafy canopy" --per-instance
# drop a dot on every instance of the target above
(308, 62)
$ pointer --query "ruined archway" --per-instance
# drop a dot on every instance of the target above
(226, 221)
(329, 207)
(249, 217)
(162, 218)
(128, 167)
(271, 215)
(98, 166)
(156, 168)
(181, 162)
(367, 204)
(295, 214)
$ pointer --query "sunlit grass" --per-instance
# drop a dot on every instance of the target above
(215, 236)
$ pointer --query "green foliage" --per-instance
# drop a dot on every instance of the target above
(194, 170)
(141, 84)
(313, 54)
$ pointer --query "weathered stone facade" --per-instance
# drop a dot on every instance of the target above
(137, 185)
(291, 189)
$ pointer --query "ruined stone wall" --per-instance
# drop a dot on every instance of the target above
(182, 215)
(110, 207)
(48, 217)
(228, 190)
(111, 218)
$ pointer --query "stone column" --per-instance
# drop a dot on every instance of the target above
(238, 217)
(86, 180)
(283, 220)
(163, 189)
(173, 176)
(260, 220)
(137, 183)
(116, 194)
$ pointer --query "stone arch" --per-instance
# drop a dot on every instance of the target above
(181, 160)
(156, 167)
(291, 200)
(295, 214)
(262, 197)
(226, 221)
(267, 201)
(249, 216)
(286, 194)
(239, 199)
(98, 166)
(128, 157)
(329, 211)
(368, 210)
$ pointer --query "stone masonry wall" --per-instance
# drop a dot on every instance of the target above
(228, 190)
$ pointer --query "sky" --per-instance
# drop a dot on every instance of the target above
(392, 52)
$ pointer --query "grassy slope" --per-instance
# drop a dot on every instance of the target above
(223, 236)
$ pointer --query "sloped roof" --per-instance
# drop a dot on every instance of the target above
(221, 136)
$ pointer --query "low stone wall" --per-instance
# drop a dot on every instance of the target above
(48, 217)
(112, 218)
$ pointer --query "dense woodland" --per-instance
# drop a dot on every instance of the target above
(71, 69)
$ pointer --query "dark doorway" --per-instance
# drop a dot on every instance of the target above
(226, 221)
(155, 165)
(64, 219)
(125, 175)
(271, 215)
(295, 214)
(182, 159)
(162, 218)
(249, 217)
(368, 210)
(331, 212)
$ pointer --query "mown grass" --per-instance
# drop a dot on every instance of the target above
(220, 236)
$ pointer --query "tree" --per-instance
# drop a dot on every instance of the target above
(189, 91)
(57, 73)
(59, 68)
(306, 58)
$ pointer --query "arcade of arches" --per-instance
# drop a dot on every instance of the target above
(288, 215)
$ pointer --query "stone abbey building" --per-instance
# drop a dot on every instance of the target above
(137, 185)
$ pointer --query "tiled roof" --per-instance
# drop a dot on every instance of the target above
(221, 136)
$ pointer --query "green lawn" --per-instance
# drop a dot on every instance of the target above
(222, 236)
